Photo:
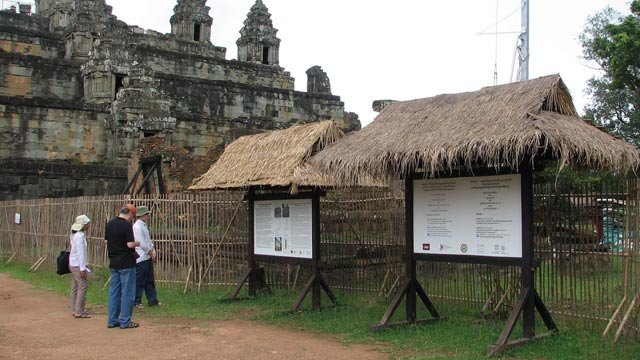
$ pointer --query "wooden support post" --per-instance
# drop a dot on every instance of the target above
(528, 311)
(410, 262)
(255, 275)
(627, 316)
(234, 294)
(251, 196)
(315, 283)
(411, 287)
(305, 290)
(315, 248)
(529, 299)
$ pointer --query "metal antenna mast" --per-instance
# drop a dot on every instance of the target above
(523, 46)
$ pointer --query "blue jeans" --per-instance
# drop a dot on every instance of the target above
(121, 294)
(145, 282)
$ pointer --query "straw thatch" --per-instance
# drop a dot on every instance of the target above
(498, 126)
(276, 158)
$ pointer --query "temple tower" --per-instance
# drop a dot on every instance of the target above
(60, 12)
(43, 6)
(88, 20)
(258, 42)
(317, 81)
(191, 21)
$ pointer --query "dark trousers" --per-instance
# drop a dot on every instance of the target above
(145, 282)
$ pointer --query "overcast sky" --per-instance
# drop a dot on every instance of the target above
(402, 49)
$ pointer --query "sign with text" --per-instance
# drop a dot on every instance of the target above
(283, 228)
(468, 216)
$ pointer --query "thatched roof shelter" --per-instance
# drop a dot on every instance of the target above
(275, 158)
(498, 126)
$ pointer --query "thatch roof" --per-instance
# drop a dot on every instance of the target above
(276, 158)
(496, 126)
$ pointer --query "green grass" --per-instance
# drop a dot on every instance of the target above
(464, 335)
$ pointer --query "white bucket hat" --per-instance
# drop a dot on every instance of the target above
(81, 221)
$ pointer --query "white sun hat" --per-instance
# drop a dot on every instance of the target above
(81, 221)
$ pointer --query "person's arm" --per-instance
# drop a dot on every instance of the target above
(81, 250)
(142, 237)
(152, 251)
(131, 242)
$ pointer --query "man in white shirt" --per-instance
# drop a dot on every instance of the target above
(145, 281)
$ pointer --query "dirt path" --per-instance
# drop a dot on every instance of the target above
(36, 324)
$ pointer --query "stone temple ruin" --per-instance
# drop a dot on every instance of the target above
(80, 89)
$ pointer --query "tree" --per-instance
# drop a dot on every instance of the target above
(612, 41)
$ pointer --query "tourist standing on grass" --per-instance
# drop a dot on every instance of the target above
(122, 264)
(145, 280)
(78, 266)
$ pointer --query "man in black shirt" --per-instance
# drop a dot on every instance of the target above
(122, 264)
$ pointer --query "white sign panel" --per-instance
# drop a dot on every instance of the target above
(283, 228)
(17, 218)
(472, 216)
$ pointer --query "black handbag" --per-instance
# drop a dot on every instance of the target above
(63, 263)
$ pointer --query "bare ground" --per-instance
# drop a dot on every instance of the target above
(36, 324)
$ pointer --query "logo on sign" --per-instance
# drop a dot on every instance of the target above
(426, 246)
(464, 248)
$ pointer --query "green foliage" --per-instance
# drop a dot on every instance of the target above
(553, 174)
(464, 335)
(612, 41)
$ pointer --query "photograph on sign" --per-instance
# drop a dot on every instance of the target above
(468, 216)
(283, 228)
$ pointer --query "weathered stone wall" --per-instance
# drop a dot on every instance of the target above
(46, 130)
(36, 77)
(317, 107)
(208, 68)
(232, 100)
(29, 23)
(28, 179)
(53, 130)
(153, 39)
(27, 43)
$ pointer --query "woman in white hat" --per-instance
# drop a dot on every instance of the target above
(78, 266)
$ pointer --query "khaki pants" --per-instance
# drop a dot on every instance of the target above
(79, 288)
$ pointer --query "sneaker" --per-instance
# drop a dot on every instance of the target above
(139, 306)
(156, 304)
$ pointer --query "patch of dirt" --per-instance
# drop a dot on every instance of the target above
(37, 324)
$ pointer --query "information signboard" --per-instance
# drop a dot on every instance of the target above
(468, 216)
(283, 228)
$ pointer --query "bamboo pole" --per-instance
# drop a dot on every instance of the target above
(186, 283)
(221, 242)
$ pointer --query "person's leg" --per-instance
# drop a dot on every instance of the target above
(128, 281)
(74, 287)
(81, 299)
(150, 288)
(115, 294)
(140, 281)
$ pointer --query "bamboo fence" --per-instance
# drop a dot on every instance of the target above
(585, 240)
